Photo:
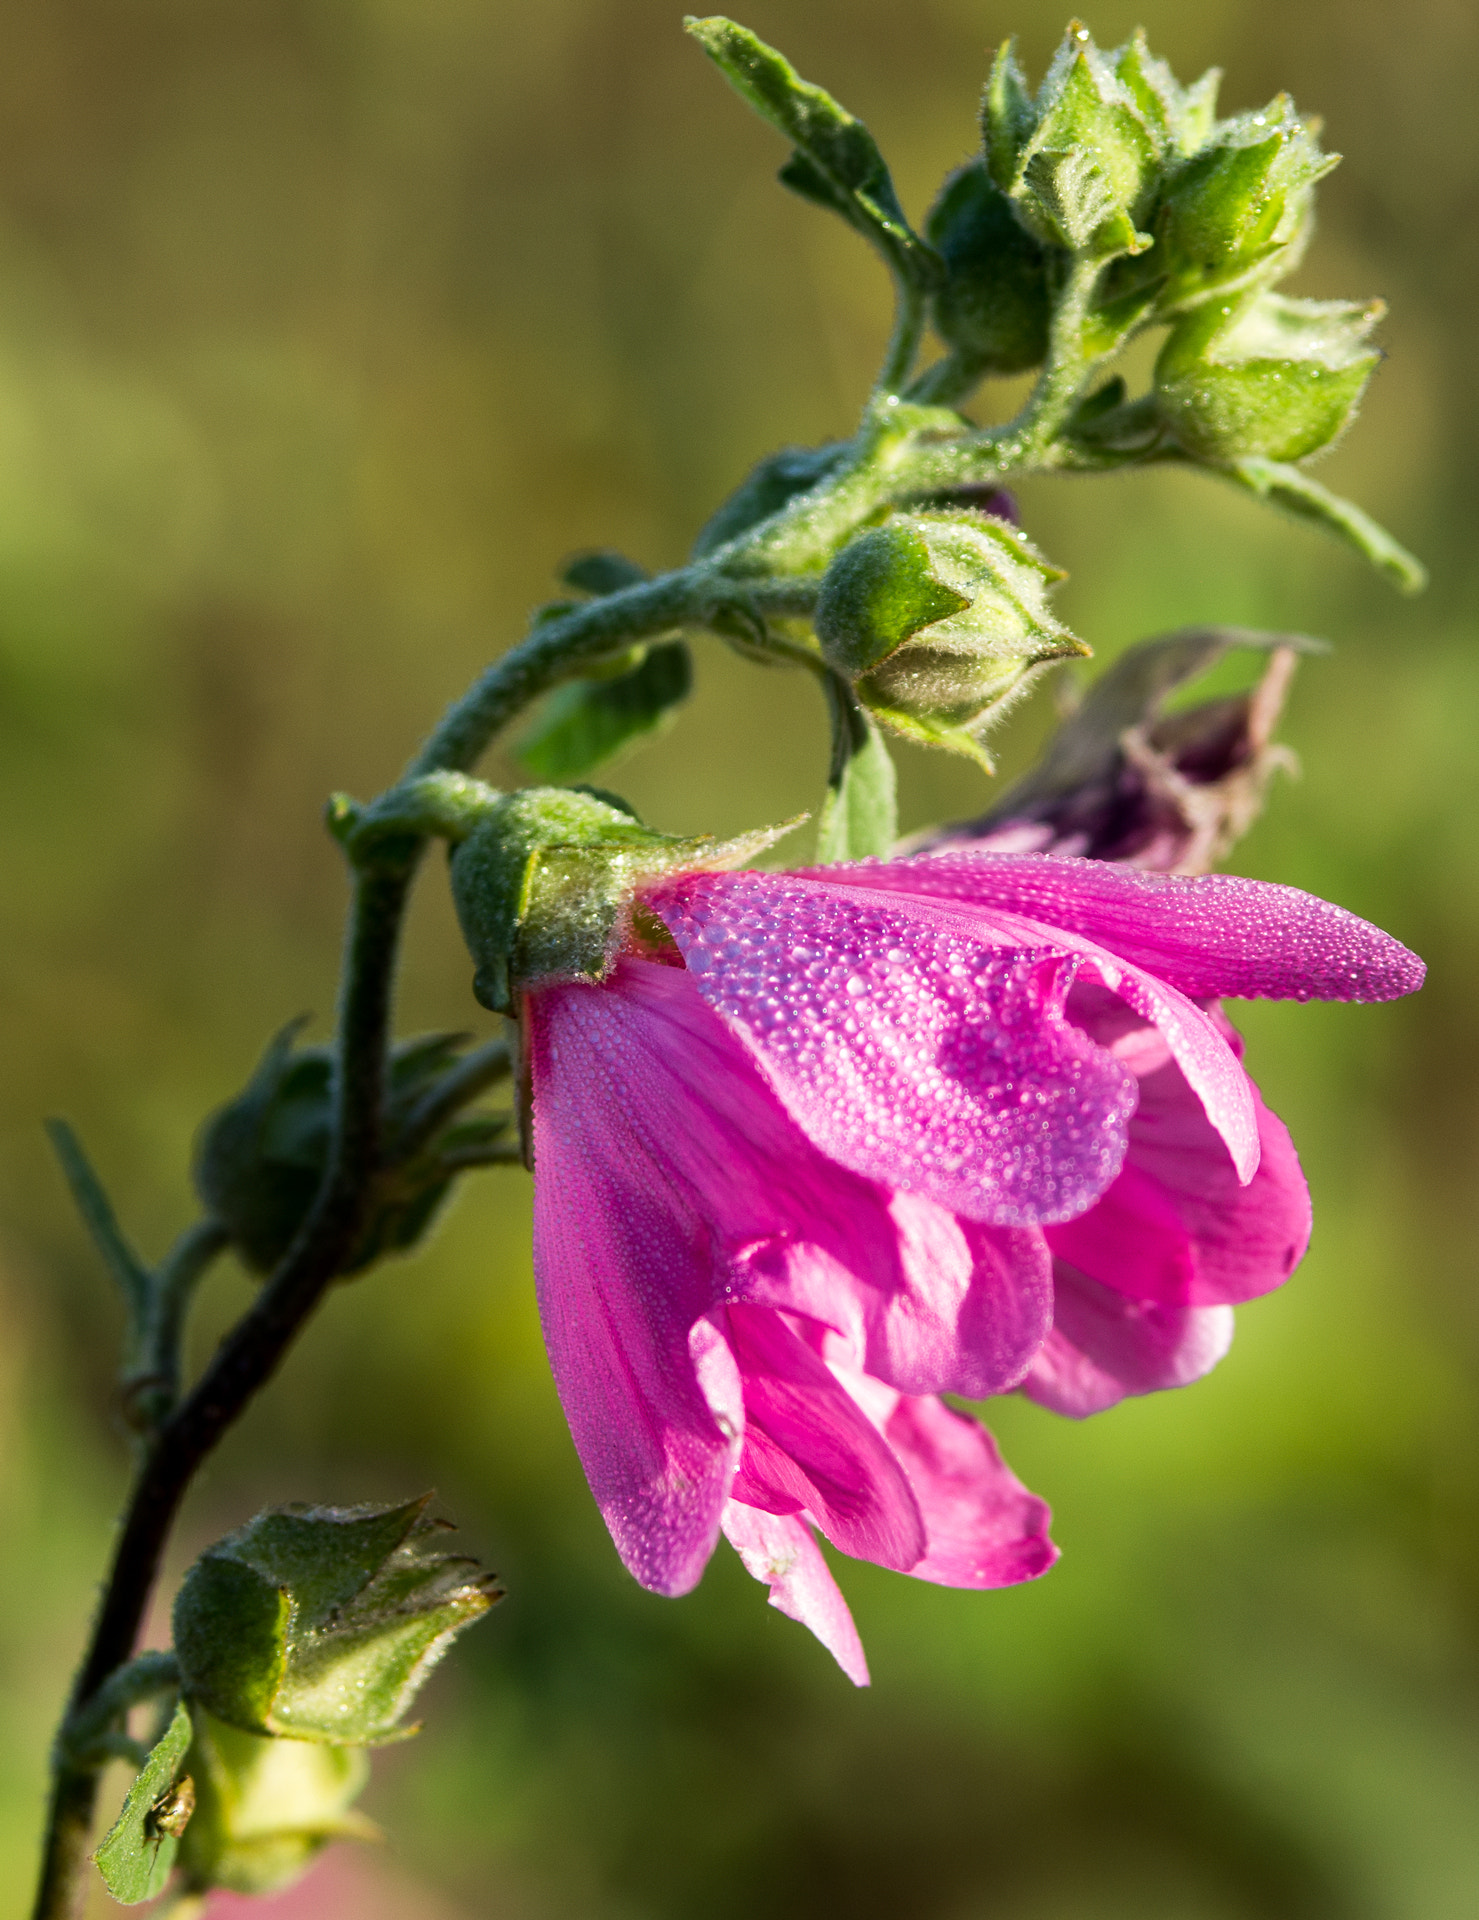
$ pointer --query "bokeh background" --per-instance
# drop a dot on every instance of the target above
(326, 328)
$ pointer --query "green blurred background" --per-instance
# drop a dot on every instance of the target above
(326, 328)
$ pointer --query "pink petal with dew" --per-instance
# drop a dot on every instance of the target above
(985, 1529)
(1206, 935)
(623, 1269)
(1177, 1226)
(907, 1047)
(809, 1447)
(1193, 1037)
(1104, 1347)
(932, 1304)
(779, 1549)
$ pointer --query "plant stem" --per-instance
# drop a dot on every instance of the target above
(249, 1354)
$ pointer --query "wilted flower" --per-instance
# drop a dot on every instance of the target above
(794, 1156)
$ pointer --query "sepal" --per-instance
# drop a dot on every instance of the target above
(1079, 163)
(543, 887)
(1239, 210)
(935, 618)
(265, 1808)
(138, 1852)
(1268, 376)
(321, 1623)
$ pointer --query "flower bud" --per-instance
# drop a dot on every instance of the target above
(993, 307)
(261, 1159)
(265, 1809)
(1079, 162)
(1239, 209)
(1268, 376)
(321, 1623)
(935, 617)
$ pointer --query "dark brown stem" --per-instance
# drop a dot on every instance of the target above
(248, 1356)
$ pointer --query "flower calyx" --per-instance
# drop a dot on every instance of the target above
(936, 618)
(1239, 210)
(320, 1623)
(544, 885)
(1080, 161)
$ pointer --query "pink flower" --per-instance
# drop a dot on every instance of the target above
(798, 1173)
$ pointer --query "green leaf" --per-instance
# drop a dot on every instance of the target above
(1287, 487)
(266, 1808)
(587, 722)
(92, 1202)
(860, 814)
(138, 1854)
(837, 163)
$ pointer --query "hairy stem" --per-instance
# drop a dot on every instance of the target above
(247, 1357)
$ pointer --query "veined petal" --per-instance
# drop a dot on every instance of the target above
(925, 1301)
(808, 1446)
(905, 1046)
(1104, 1347)
(779, 1549)
(624, 1267)
(985, 1529)
(1177, 1226)
(1209, 935)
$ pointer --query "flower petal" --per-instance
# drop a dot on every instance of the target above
(985, 1529)
(808, 1446)
(1206, 935)
(1104, 1347)
(1177, 1227)
(926, 1301)
(907, 1047)
(623, 1269)
(779, 1549)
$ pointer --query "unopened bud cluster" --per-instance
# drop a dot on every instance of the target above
(1191, 221)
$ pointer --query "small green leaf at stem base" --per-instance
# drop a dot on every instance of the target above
(138, 1853)
(859, 817)
(588, 722)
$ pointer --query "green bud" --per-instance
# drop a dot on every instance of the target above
(321, 1623)
(261, 1159)
(265, 1808)
(543, 886)
(1079, 163)
(936, 618)
(1179, 118)
(1271, 377)
(993, 307)
(1240, 209)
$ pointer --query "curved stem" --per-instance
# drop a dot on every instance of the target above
(249, 1354)
(903, 346)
